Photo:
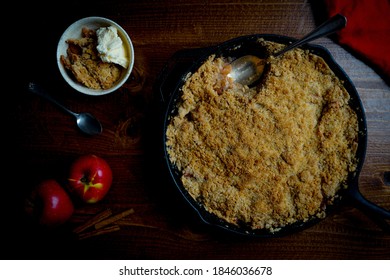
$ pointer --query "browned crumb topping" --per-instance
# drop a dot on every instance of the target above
(85, 64)
(266, 156)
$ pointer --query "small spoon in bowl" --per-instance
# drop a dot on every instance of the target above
(86, 122)
(248, 69)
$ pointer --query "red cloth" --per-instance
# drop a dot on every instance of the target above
(367, 31)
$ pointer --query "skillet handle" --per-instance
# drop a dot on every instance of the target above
(375, 212)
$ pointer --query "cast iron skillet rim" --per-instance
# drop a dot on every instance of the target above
(238, 44)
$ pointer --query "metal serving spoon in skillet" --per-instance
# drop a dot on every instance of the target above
(248, 69)
(85, 121)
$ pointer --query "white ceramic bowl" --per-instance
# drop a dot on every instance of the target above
(74, 32)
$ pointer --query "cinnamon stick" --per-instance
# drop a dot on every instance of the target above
(94, 220)
(114, 218)
(97, 232)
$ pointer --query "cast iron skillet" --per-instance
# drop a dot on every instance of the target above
(185, 62)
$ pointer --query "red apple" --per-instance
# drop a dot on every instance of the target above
(49, 203)
(90, 178)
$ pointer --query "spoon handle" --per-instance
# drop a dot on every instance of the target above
(34, 88)
(330, 26)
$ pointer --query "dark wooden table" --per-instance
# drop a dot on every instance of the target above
(41, 141)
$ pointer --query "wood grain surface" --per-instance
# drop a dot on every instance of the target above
(41, 140)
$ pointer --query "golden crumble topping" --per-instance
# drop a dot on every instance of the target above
(266, 156)
(85, 64)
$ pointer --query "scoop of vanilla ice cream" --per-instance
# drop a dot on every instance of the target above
(110, 46)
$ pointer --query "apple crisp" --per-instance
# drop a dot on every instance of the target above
(268, 156)
(85, 64)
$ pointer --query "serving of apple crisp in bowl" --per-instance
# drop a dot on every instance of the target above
(95, 56)
(271, 158)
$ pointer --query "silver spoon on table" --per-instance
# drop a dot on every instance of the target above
(86, 122)
(248, 69)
